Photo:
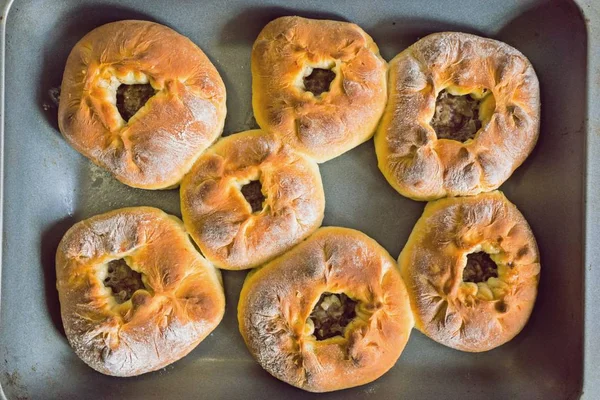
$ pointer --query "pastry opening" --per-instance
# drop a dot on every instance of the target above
(122, 280)
(458, 117)
(130, 98)
(480, 267)
(253, 194)
(318, 81)
(332, 313)
(501, 307)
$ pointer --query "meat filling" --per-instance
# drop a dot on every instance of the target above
(130, 98)
(480, 267)
(456, 117)
(331, 315)
(253, 194)
(122, 280)
(319, 81)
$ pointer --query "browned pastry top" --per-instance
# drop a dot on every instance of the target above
(127, 323)
(293, 60)
(249, 198)
(423, 166)
(275, 318)
(457, 297)
(161, 141)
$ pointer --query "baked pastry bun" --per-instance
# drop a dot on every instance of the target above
(463, 113)
(331, 313)
(471, 266)
(135, 295)
(320, 85)
(141, 101)
(249, 198)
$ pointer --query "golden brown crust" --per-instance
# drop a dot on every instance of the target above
(221, 221)
(182, 303)
(468, 316)
(338, 120)
(413, 160)
(277, 299)
(161, 142)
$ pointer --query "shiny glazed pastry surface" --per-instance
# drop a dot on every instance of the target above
(422, 166)
(249, 198)
(277, 320)
(153, 147)
(456, 296)
(135, 295)
(293, 60)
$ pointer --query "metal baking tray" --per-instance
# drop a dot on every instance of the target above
(48, 186)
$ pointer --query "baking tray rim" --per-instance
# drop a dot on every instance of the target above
(590, 11)
(6, 4)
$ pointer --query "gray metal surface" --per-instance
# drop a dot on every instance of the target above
(591, 382)
(48, 186)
